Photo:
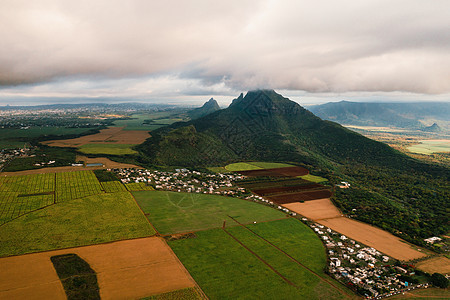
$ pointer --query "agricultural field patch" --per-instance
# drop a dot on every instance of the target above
(113, 186)
(439, 264)
(374, 237)
(15, 137)
(90, 220)
(241, 166)
(73, 185)
(148, 122)
(430, 146)
(276, 172)
(314, 178)
(172, 212)
(138, 186)
(108, 149)
(184, 294)
(108, 136)
(254, 268)
(315, 210)
(300, 197)
(131, 269)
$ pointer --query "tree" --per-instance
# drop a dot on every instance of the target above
(439, 280)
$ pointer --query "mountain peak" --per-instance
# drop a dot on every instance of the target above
(208, 107)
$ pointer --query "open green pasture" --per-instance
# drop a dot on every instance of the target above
(214, 258)
(172, 212)
(430, 146)
(141, 121)
(91, 220)
(111, 149)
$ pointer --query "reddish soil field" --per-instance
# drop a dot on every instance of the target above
(287, 189)
(111, 135)
(277, 172)
(130, 269)
(297, 197)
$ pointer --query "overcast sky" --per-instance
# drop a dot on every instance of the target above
(172, 50)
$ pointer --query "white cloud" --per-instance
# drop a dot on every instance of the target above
(142, 48)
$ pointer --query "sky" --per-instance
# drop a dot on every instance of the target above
(186, 51)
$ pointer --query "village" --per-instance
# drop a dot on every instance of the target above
(7, 155)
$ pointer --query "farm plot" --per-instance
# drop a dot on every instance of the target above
(113, 186)
(277, 172)
(90, 220)
(111, 149)
(138, 186)
(259, 267)
(131, 269)
(20, 195)
(111, 135)
(300, 197)
(254, 165)
(78, 184)
(172, 212)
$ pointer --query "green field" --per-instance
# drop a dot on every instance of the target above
(313, 178)
(90, 220)
(214, 258)
(160, 119)
(184, 294)
(77, 184)
(172, 212)
(138, 186)
(111, 149)
(430, 146)
(113, 186)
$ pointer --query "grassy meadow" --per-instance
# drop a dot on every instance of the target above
(172, 212)
(213, 257)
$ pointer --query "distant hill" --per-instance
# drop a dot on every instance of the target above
(207, 108)
(433, 128)
(404, 115)
(262, 125)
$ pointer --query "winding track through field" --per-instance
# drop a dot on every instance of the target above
(286, 254)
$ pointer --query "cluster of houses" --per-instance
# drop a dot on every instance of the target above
(9, 154)
(184, 180)
(362, 268)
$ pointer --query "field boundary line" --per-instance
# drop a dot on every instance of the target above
(292, 258)
(261, 259)
(29, 212)
(143, 213)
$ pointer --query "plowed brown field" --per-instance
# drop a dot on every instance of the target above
(314, 210)
(438, 264)
(324, 212)
(111, 135)
(125, 270)
(277, 172)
